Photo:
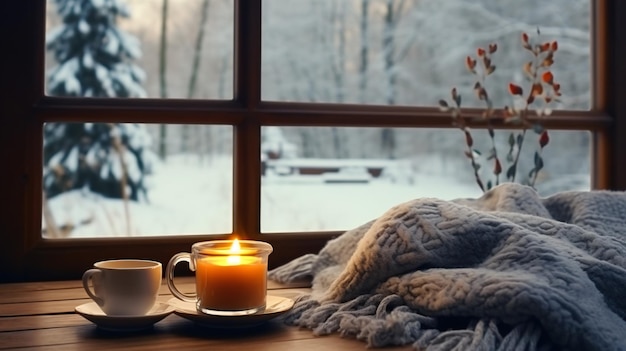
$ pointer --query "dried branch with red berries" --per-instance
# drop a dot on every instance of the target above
(543, 90)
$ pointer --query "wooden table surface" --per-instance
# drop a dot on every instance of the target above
(41, 316)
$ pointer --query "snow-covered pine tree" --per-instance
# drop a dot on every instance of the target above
(95, 60)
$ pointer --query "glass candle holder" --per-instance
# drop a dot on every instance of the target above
(231, 276)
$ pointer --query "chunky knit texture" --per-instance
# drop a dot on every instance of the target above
(507, 271)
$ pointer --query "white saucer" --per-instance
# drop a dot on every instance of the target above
(274, 307)
(93, 313)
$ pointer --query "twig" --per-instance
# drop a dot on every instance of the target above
(119, 148)
(51, 226)
(542, 81)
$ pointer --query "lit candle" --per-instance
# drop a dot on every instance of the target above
(233, 279)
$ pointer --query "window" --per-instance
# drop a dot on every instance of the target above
(251, 115)
(310, 175)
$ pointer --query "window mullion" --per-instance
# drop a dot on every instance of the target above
(247, 138)
(615, 91)
(247, 52)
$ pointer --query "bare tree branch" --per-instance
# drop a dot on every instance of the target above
(197, 52)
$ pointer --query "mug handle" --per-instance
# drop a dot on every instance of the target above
(88, 275)
(179, 257)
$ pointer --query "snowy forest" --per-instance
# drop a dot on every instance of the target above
(105, 179)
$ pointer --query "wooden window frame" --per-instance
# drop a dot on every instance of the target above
(25, 256)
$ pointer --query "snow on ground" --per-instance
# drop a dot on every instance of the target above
(311, 204)
(188, 195)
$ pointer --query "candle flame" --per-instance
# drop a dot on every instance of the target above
(234, 251)
(235, 248)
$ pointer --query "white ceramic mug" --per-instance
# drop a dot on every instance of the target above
(124, 287)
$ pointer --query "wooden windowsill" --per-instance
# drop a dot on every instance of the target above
(40, 316)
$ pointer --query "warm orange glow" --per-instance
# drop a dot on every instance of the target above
(234, 281)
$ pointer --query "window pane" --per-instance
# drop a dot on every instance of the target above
(115, 49)
(394, 52)
(111, 180)
(338, 178)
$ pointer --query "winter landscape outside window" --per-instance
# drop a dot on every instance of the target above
(178, 177)
(123, 179)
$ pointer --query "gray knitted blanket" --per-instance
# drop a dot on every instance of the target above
(507, 271)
